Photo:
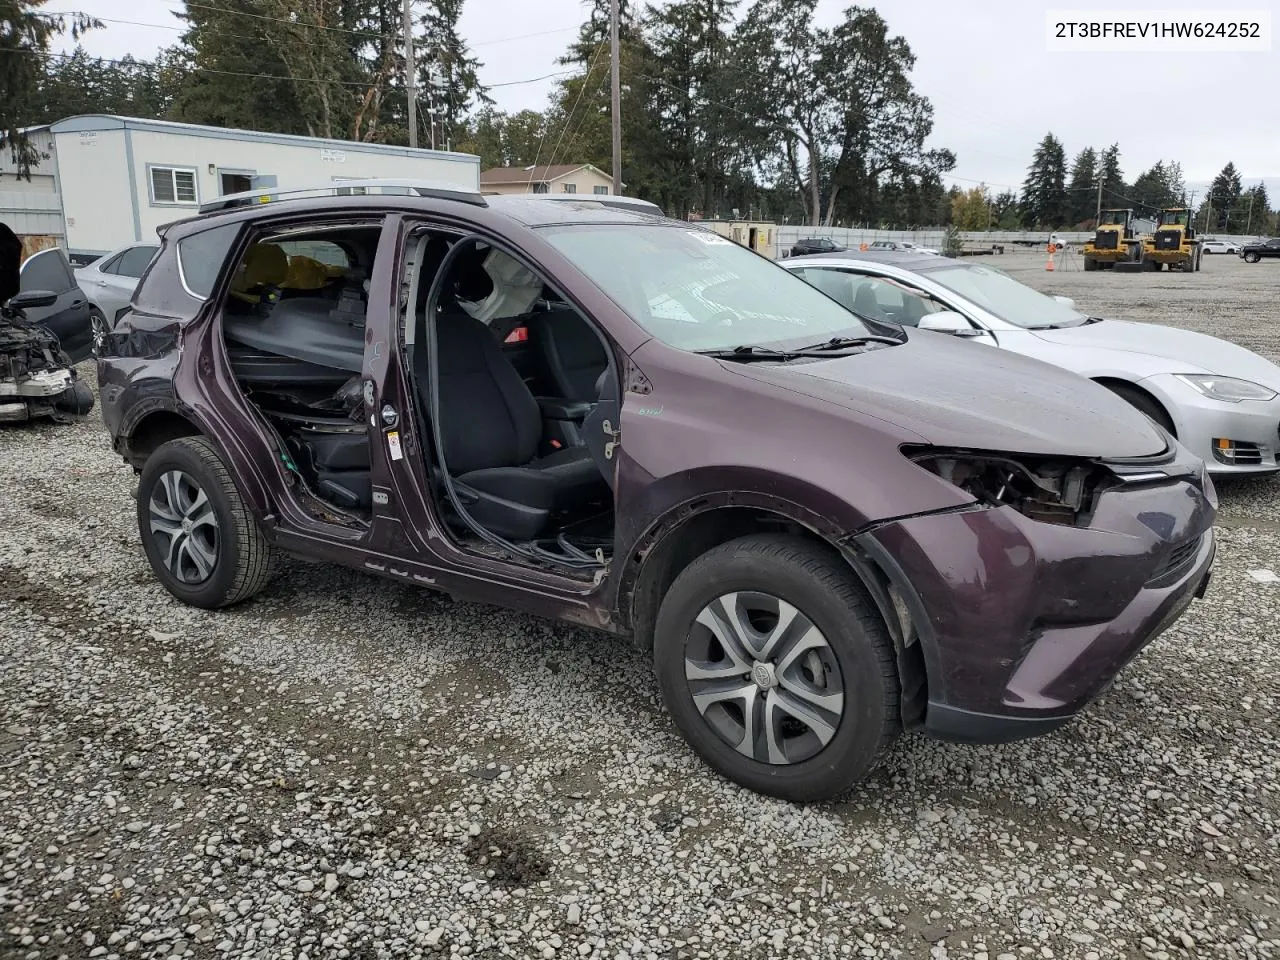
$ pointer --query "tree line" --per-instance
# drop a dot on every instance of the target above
(1056, 194)
(727, 109)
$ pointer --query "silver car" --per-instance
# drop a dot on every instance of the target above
(1220, 400)
(109, 283)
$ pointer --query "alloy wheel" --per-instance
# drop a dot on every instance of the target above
(98, 329)
(185, 527)
(764, 677)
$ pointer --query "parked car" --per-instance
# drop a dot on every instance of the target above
(68, 317)
(808, 245)
(904, 246)
(1219, 246)
(1220, 400)
(109, 283)
(822, 529)
(1253, 252)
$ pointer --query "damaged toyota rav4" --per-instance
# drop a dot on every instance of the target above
(823, 528)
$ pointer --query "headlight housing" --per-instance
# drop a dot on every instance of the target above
(1227, 389)
(1050, 490)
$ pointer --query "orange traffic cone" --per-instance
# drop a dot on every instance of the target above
(1049, 266)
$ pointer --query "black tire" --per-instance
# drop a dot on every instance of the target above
(242, 558)
(1144, 403)
(1252, 257)
(1090, 265)
(98, 330)
(823, 589)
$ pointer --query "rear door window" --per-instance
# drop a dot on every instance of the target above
(47, 271)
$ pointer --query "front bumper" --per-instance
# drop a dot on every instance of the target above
(1021, 623)
(1200, 421)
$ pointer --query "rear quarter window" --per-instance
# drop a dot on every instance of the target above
(201, 256)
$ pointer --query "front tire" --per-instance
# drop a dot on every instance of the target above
(201, 540)
(777, 668)
(98, 330)
(1252, 258)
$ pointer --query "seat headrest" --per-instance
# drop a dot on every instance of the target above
(306, 273)
(265, 264)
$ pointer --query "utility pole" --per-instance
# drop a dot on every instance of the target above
(1097, 219)
(616, 94)
(1248, 222)
(410, 80)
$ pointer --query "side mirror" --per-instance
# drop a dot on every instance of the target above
(948, 321)
(1065, 301)
(30, 299)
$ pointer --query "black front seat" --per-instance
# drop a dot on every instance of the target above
(865, 303)
(490, 425)
(570, 351)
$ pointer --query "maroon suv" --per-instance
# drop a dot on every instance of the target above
(825, 528)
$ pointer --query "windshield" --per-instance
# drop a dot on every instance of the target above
(1175, 218)
(696, 290)
(1011, 301)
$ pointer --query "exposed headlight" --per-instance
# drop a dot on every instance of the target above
(1045, 489)
(1228, 389)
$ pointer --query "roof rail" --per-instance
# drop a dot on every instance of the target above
(613, 200)
(440, 190)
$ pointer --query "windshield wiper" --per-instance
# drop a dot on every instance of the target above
(842, 343)
(748, 352)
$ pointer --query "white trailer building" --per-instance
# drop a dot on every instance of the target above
(120, 178)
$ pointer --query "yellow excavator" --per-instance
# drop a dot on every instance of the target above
(1117, 239)
(1173, 242)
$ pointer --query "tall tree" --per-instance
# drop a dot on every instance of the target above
(1224, 195)
(25, 35)
(1112, 175)
(447, 72)
(1257, 209)
(1160, 186)
(1081, 188)
(1044, 195)
(971, 210)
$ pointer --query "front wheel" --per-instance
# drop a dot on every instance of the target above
(203, 544)
(1252, 258)
(777, 668)
(98, 329)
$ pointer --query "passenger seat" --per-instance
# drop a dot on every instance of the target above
(570, 352)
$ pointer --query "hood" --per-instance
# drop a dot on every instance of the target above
(958, 394)
(1185, 350)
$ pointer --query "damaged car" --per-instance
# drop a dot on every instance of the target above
(824, 530)
(37, 379)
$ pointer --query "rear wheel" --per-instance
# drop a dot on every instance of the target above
(1143, 402)
(201, 540)
(777, 668)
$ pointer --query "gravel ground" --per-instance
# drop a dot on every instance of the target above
(345, 767)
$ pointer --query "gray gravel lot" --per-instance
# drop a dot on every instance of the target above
(345, 767)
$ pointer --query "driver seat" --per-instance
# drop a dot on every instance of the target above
(490, 425)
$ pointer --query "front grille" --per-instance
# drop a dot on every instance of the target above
(1168, 239)
(1106, 240)
(1176, 563)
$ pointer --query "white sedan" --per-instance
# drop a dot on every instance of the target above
(1219, 246)
(109, 283)
(1220, 400)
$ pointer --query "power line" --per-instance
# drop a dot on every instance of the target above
(364, 85)
(569, 119)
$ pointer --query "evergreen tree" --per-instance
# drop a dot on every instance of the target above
(448, 74)
(1224, 195)
(1081, 190)
(1044, 195)
(25, 35)
(1112, 176)
(1159, 187)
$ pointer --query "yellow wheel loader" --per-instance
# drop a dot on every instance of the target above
(1174, 242)
(1117, 239)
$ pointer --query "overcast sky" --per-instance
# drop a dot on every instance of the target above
(996, 90)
